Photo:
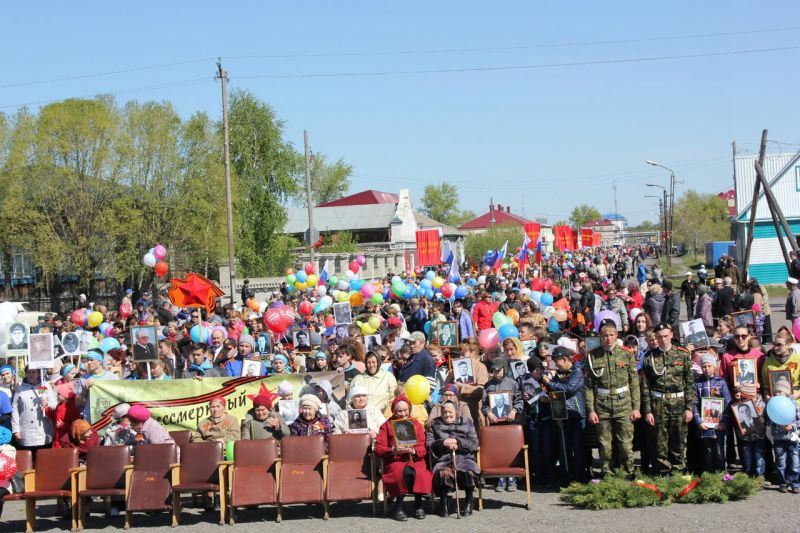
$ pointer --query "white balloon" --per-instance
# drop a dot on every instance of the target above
(343, 285)
(334, 293)
(327, 301)
(262, 307)
(8, 312)
(350, 275)
(322, 290)
(481, 279)
(149, 260)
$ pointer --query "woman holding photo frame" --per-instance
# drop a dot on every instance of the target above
(781, 357)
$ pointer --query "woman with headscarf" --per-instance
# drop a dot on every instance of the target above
(704, 305)
(280, 364)
(449, 433)
(119, 432)
(263, 421)
(81, 436)
(449, 394)
(380, 383)
(404, 467)
(359, 399)
(219, 426)
(310, 421)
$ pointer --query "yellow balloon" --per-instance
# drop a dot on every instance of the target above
(366, 329)
(95, 319)
(311, 281)
(437, 282)
(343, 296)
(418, 388)
(299, 286)
(356, 299)
(374, 322)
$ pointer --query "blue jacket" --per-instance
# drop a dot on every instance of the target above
(710, 387)
(234, 367)
(465, 327)
(641, 274)
(420, 363)
(572, 384)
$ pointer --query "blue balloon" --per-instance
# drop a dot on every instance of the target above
(429, 293)
(427, 328)
(289, 288)
(552, 325)
(199, 333)
(409, 293)
(508, 331)
(108, 344)
(780, 410)
(318, 308)
(425, 284)
(430, 274)
(460, 292)
(546, 299)
(396, 279)
(472, 282)
(301, 276)
(356, 284)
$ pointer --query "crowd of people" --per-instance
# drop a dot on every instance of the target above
(595, 356)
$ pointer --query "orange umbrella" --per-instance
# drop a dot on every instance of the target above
(194, 291)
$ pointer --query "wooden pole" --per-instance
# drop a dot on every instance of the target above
(223, 77)
(753, 204)
(777, 214)
(308, 201)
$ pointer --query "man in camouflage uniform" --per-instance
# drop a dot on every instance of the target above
(612, 398)
(668, 398)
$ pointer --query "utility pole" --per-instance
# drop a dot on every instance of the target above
(754, 205)
(308, 201)
(616, 213)
(223, 77)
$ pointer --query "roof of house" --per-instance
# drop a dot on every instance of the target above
(368, 197)
(426, 222)
(343, 218)
(596, 223)
(500, 217)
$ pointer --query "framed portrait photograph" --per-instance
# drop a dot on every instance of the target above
(744, 318)
(342, 313)
(340, 331)
(289, 410)
(694, 333)
(404, 432)
(711, 410)
(500, 404)
(357, 421)
(251, 368)
(17, 335)
(371, 342)
(744, 372)
(144, 340)
(528, 345)
(558, 404)
(531, 389)
(463, 371)
(70, 342)
(780, 379)
(747, 419)
(447, 334)
(263, 344)
(41, 347)
(301, 339)
(84, 340)
(518, 368)
(592, 343)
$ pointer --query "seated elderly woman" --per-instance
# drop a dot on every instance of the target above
(449, 394)
(263, 421)
(359, 400)
(452, 441)
(310, 421)
(81, 436)
(148, 431)
(403, 454)
(219, 426)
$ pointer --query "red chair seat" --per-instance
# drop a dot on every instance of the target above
(101, 492)
(45, 494)
(517, 472)
(351, 482)
(16, 496)
(195, 487)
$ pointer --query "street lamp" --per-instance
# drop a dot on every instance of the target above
(664, 218)
(660, 214)
(671, 209)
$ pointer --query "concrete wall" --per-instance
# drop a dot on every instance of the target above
(379, 263)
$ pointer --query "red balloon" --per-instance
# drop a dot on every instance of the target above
(278, 319)
(329, 322)
(447, 290)
(555, 290)
(305, 307)
(354, 267)
(318, 244)
(537, 284)
(125, 310)
(417, 270)
(309, 268)
(161, 268)
(8, 467)
(547, 284)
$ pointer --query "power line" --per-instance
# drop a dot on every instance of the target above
(517, 67)
(511, 47)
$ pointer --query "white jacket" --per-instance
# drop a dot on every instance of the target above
(381, 387)
(27, 416)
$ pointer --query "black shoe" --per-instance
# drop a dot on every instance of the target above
(784, 489)
(419, 513)
(467, 510)
(444, 512)
(400, 516)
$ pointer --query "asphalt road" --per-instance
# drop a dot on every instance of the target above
(765, 511)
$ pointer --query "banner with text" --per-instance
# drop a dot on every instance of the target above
(429, 248)
(180, 403)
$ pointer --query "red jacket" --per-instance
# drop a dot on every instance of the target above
(482, 314)
(394, 463)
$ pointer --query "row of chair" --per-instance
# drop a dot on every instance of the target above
(150, 478)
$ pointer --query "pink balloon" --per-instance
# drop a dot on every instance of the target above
(796, 328)
(488, 338)
(160, 252)
(367, 290)
(361, 260)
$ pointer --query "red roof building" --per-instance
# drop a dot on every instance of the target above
(368, 197)
(497, 215)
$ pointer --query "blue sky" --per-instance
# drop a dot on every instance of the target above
(544, 138)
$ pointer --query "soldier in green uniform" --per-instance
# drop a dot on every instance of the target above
(668, 398)
(612, 398)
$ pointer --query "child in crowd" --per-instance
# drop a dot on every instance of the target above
(710, 385)
(753, 445)
(786, 445)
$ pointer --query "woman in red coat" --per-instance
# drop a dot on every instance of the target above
(404, 466)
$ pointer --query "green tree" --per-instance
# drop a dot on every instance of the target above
(582, 214)
(267, 171)
(700, 218)
(340, 242)
(440, 202)
(477, 244)
(329, 181)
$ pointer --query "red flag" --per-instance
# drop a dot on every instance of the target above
(573, 239)
(533, 230)
(429, 250)
(587, 237)
(194, 291)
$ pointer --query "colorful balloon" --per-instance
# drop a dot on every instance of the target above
(488, 338)
(356, 299)
(508, 331)
(95, 319)
(199, 333)
(125, 310)
(361, 260)
(160, 252)
(418, 388)
(162, 269)
(377, 298)
(781, 410)
(309, 268)
(354, 267)
(108, 344)
(513, 314)
(278, 319)
(301, 276)
(149, 260)
(311, 280)
(499, 320)
(305, 307)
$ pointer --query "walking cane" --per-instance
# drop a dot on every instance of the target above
(564, 446)
(455, 481)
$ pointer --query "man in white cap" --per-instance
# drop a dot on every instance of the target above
(792, 300)
(689, 293)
